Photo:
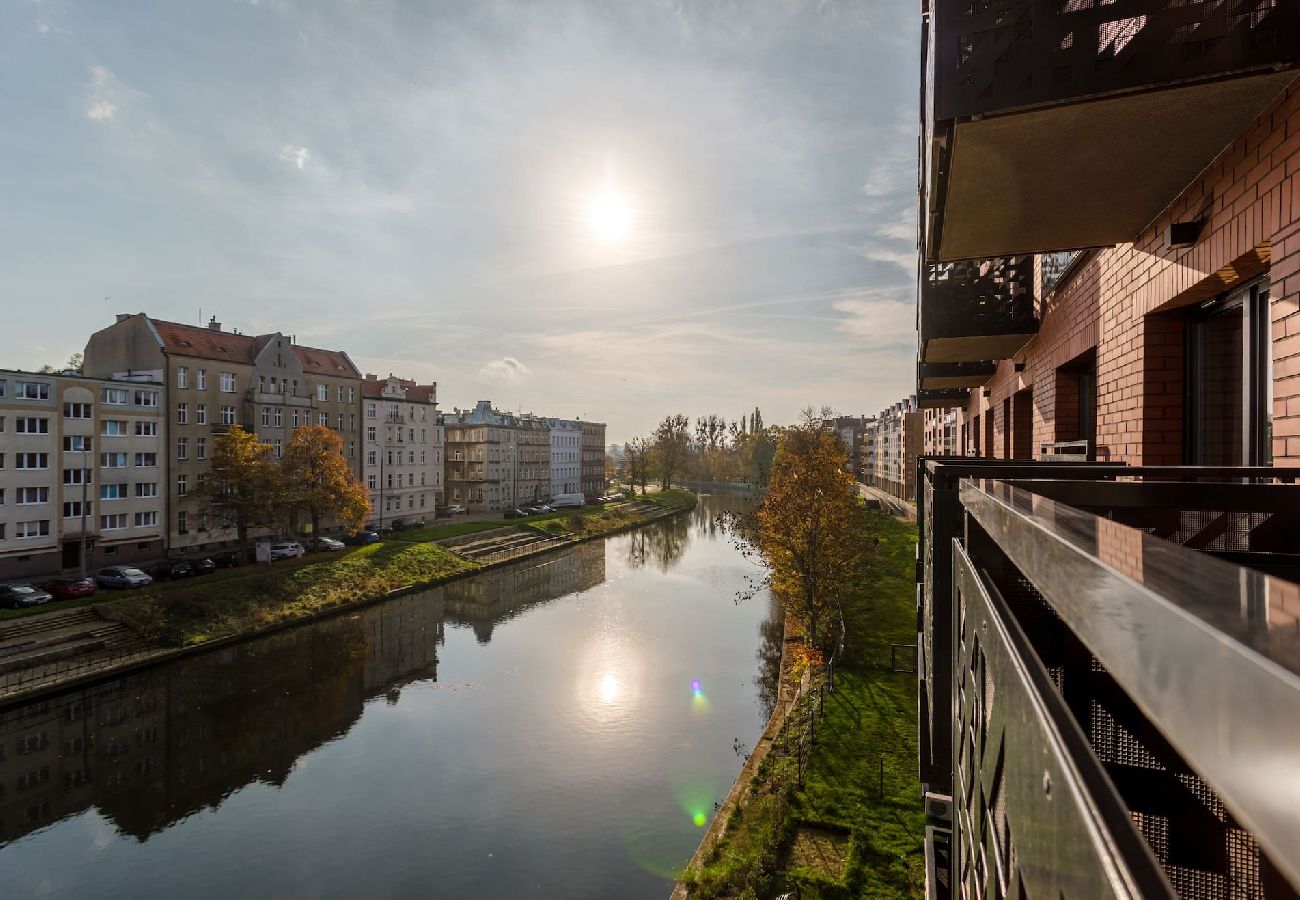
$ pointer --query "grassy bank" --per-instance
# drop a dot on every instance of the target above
(202, 609)
(840, 831)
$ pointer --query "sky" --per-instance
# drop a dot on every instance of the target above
(609, 210)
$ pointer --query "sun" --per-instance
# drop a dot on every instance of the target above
(608, 216)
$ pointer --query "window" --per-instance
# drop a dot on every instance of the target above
(182, 413)
(146, 489)
(266, 417)
(144, 460)
(112, 460)
(115, 396)
(32, 460)
(146, 519)
(227, 415)
(182, 376)
(147, 429)
(295, 417)
(410, 479)
(352, 450)
(372, 458)
(182, 520)
(372, 482)
(112, 491)
(32, 390)
(352, 395)
(279, 417)
(113, 428)
(370, 410)
(1230, 381)
(112, 522)
(31, 425)
(182, 448)
(423, 456)
(371, 434)
(200, 414)
(76, 443)
(32, 529)
(352, 421)
(76, 476)
(201, 379)
(227, 382)
(323, 419)
(72, 509)
(76, 411)
(340, 421)
(200, 448)
(182, 485)
(277, 447)
(33, 496)
(322, 392)
(146, 398)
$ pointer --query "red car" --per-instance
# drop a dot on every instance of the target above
(71, 588)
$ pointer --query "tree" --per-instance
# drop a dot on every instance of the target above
(637, 455)
(810, 530)
(76, 363)
(671, 446)
(318, 480)
(243, 486)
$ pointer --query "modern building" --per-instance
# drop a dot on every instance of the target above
(268, 384)
(897, 444)
(594, 483)
(566, 456)
(402, 459)
(481, 462)
(79, 453)
(853, 432)
(939, 432)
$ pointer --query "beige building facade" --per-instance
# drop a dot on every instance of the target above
(402, 460)
(79, 451)
(594, 483)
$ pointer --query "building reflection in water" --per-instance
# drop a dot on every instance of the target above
(154, 747)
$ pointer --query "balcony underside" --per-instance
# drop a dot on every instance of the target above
(939, 376)
(941, 398)
(973, 348)
(1081, 174)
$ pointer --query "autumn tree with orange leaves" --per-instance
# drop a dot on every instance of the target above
(243, 485)
(319, 481)
(810, 531)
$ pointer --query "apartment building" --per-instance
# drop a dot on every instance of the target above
(566, 456)
(533, 447)
(897, 444)
(594, 483)
(74, 452)
(939, 432)
(402, 461)
(268, 384)
(481, 462)
(853, 432)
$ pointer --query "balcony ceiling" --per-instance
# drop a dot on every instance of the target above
(1089, 173)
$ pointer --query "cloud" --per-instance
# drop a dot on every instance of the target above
(881, 319)
(103, 94)
(506, 370)
(296, 155)
(42, 26)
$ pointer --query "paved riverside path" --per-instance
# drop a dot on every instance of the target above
(891, 504)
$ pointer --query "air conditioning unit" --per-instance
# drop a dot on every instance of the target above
(938, 806)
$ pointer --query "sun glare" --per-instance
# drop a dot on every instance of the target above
(609, 687)
(608, 216)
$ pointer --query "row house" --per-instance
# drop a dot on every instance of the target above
(566, 456)
(82, 463)
(402, 464)
(481, 461)
(533, 449)
(897, 444)
(213, 379)
(594, 481)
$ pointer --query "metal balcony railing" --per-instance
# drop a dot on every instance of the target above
(1109, 679)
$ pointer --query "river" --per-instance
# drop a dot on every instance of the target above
(558, 728)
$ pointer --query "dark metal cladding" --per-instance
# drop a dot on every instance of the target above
(992, 56)
(987, 298)
(941, 398)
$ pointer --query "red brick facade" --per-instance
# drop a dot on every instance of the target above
(1127, 305)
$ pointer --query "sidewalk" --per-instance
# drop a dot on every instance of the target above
(891, 504)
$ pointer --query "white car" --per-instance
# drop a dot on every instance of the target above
(326, 544)
(122, 577)
(455, 510)
(286, 550)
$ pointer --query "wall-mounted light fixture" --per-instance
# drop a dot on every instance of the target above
(988, 393)
(1019, 367)
(1180, 235)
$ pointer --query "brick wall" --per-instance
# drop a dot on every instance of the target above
(1126, 302)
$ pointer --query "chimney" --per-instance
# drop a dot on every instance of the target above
(213, 324)
(371, 377)
(122, 317)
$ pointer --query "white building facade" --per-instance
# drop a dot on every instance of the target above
(566, 456)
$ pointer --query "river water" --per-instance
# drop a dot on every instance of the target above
(558, 728)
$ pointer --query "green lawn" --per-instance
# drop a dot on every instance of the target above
(876, 830)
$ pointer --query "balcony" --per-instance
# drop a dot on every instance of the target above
(1059, 124)
(942, 398)
(974, 312)
(1109, 666)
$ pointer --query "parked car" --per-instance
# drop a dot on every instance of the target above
(455, 509)
(324, 544)
(122, 577)
(567, 500)
(286, 550)
(361, 538)
(615, 498)
(228, 559)
(70, 588)
(515, 513)
(18, 596)
(171, 569)
(203, 565)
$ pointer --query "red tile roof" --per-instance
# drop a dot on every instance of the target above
(205, 343)
(326, 362)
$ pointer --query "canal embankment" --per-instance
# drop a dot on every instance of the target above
(829, 802)
(48, 652)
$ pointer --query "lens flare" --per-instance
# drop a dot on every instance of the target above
(699, 818)
(699, 702)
